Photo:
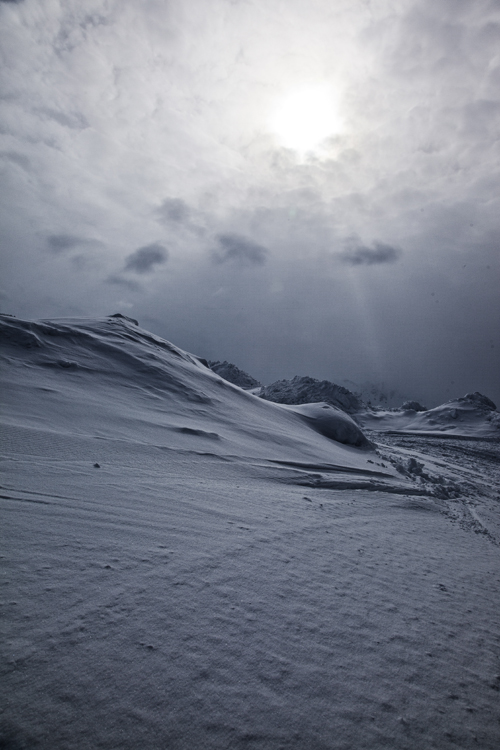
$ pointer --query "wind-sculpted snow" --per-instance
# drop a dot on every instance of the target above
(473, 415)
(188, 566)
(332, 423)
(174, 393)
(305, 390)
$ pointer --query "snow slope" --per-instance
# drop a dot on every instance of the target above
(472, 415)
(104, 378)
(188, 566)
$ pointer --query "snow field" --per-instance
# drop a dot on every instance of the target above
(206, 586)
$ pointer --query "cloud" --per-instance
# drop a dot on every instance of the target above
(59, 243)
(73, 120)
(117, 280)
(14, 156)
(179, 150)
(240, 250)
(173, 210)
(361, 255)
(143, 260)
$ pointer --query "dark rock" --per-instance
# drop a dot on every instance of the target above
(478, 399)
(233, 374)
(124, 317)
(305, 390)
(413, 406)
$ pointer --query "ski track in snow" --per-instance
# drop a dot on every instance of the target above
(261, 589)
(464, 474)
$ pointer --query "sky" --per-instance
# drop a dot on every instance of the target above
(301, 187)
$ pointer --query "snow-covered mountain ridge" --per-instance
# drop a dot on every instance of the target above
(176, 396)
(467, 416)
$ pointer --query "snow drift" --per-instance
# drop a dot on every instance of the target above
(331, 422)
(158, 391)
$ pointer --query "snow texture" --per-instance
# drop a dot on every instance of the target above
(186, 565)
(473, 415)
(332, 423)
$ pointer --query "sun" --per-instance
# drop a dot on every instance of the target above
(305, 117)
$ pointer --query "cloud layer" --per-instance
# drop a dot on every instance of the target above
(128, 128)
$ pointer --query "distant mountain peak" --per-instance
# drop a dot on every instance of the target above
(306, 390)
(233, 374)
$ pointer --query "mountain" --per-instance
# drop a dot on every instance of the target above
(233, 374)
(304, 390)
(172, 397)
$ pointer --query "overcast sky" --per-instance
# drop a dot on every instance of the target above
(298, 186)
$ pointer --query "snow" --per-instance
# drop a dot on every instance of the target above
(472, 415)
(332, 423)
(186, 565)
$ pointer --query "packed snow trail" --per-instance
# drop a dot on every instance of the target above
(463, 474)
(170, 580)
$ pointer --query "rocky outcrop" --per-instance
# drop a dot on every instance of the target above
(305, 390)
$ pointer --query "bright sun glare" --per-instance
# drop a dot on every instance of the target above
(304, 118)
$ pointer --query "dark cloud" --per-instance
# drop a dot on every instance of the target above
(240, 250)
(173, 210)
(146, 257)
(361, 255)
(60, 243)
(93, 21)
